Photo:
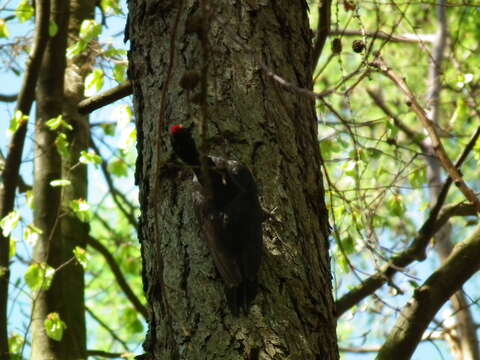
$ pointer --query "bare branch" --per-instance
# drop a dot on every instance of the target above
(8, 98)
(122, 282)
(430, 127)
(412, 135)
(406, 38)
(437, 218)
(105, 354)
(106, 327)
(430, 297)
(113, 190)
(323, 29)
(10, 172)
(105, 98)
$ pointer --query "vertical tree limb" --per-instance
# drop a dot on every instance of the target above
(10, 173)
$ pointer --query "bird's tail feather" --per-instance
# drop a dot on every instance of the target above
(239, 298)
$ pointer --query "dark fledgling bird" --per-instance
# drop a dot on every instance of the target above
(229, 212)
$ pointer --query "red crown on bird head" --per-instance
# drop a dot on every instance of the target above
(176, 129)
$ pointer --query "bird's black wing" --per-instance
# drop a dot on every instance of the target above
(214, 227)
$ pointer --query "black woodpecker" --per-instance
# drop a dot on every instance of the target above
(230, 216)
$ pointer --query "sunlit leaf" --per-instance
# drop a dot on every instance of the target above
(31, 234)
(119, 72)
(15, 344)
(52, 28)
(15, 122)
(60, 183)
(81, 255)
(12, 248)
(123, 115)
(81, 209)
(118, 168)
(4, 33)
(93, 82)
(39, 276)
(54, 326)
(89, 158)
(89, 30)
(9, 223)
(128, 138)
(24, 11)
(58, 122)
(63, 146)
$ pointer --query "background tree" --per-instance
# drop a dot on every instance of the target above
(382, 71)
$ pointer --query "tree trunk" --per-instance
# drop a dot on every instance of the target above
(62, 230)
(48, 249)
(253, 119)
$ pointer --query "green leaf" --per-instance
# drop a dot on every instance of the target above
(108, 129)
(24, 11)
(111, 7)
(123, 114)
(29, 199)
(4, 33)
(348, 244)
(94, 82)
(89, 30)
(60, 182)
(128, 138)
(396, 205)
(115, 53)
(31, 234)
(82, 209)
(39, 276)
(58, 122)
(15, 122)
(63, 146)
(54, 326)
(15, 345)
(90, 158)
(118, 168)
(52, 28)
(13, 248)
(9, 223)
(418, 178)
(130, 319)
(119, 71)
(76, 49)
(81, 255)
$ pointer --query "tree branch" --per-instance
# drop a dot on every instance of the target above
(430, 127)
(106, 327)
(122, 282)
(323, 29)
(106, 354)
(412, 135)
(437, 218)
(8, 98)
(10, 172)
(105, 98)
(113, 190)
(406, 38)
(430, 297)
(416, 252)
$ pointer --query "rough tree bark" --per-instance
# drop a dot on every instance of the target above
(62, 231)
(250, 118)
(48, 249)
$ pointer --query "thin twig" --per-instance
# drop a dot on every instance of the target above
(430, 127)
